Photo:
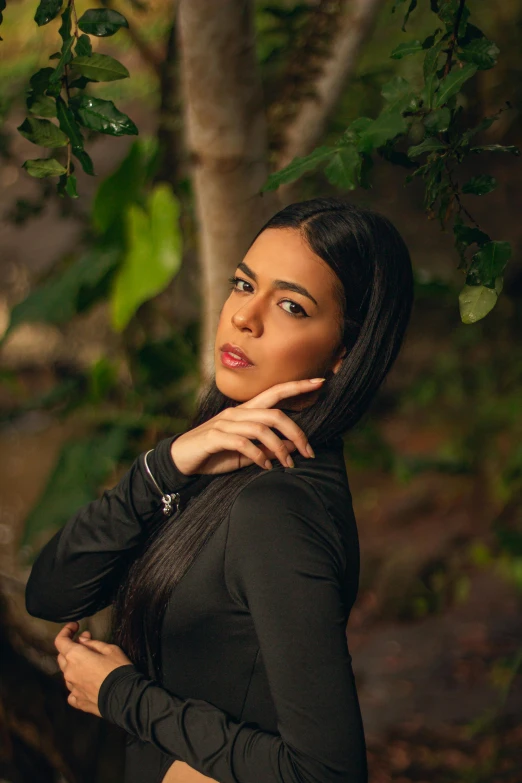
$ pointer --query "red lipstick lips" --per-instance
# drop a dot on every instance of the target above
(234, 356)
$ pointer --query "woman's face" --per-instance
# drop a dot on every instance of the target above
(286, 334)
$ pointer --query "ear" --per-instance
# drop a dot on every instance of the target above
(337, 366)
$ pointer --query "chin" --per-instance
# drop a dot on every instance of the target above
(233, 388)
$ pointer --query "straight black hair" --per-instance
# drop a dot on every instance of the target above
(374, 288)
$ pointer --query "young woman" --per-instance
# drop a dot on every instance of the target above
(231, 578)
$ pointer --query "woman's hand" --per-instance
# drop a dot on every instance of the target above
(85, 664)
(224, 443)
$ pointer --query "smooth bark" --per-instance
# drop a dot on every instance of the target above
(227, 142)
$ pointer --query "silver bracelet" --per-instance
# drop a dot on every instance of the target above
(166, 499)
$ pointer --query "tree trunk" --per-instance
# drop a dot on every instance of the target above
(227, 142)
(304, 132)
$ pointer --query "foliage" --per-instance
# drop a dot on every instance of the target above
(427, 124)
(57, 104)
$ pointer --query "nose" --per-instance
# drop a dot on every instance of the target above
(248, 316)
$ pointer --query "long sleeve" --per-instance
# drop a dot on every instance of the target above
(79, 568)
(284, 564)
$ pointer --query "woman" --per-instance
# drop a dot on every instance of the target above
(229, 659)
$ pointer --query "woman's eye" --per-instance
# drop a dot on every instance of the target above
(234, 280)
(294, 304)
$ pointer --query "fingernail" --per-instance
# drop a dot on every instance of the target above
(290, 462)
(310, 450)
(317, 380)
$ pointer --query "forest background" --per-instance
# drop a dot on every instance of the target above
(111, 285)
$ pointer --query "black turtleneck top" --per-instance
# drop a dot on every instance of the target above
(257, 680)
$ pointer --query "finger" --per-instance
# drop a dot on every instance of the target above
(230, 441)
(62, 661)
(64, 640)
(71, 698)
(84, 635)
(254, 430)
(271, 396)
(273, 417)
(94, 644)
(69, 684)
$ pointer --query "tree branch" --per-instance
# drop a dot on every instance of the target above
(353, 24)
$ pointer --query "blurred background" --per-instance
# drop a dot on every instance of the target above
(108, 306)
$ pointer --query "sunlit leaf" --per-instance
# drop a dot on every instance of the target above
(43, 167)
(100, 68)
(102, 116)
(476, 301)
(42, 132)
(153, 254)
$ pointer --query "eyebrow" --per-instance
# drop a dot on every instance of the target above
(285, 284)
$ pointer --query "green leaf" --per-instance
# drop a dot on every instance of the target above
(66, 51)
(399, 95)
(46, 11)
(431, 144)
(70, 187)
(83, 46)
(80, 470)
(44, 167)
(41, 105)
(481, 52)
(153, 254)
(453, 82)
(39, 81)
(69, 292)
(102, 116)
(405, 49)
(123, 186)
(385, 127)
(42, 132)
(297, 167)
(488, 263)
(480, 185)
(438, 120)
(68, 124)
(476, 301)
(469, 235)
(101, 22)
(80, 83)
(344, 168)
(100, 68)
(85, 161)
(430, 65)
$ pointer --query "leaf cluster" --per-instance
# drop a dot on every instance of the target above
(422, 129)
(59, 108)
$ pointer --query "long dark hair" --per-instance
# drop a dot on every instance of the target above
(374, 286)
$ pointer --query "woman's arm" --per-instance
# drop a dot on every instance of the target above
(78, 570)
(285, 564)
